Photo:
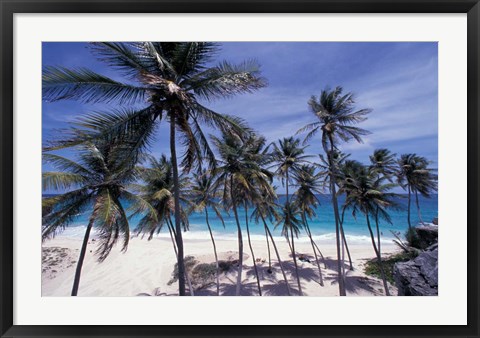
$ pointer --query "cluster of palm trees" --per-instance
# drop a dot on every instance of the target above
(115, 177)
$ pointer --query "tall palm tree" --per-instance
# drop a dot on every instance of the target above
(266, 209)
(261, 179)
(339, 160)
(309, 184)
(291, 225)
(368, 194)
(254, 261)
(163, 80)
(203, 195)
(415, 176)
(336, 117)
(158, 189)
(384, 163)
(240, 175)
(287, 157)
(98, 178)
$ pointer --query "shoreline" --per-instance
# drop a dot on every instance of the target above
(146, 268)
(78, 232)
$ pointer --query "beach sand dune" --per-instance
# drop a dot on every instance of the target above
(146, 269)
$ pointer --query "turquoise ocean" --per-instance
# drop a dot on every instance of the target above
(322, 226)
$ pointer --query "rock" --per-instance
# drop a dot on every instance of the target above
(427, 235)
(435, 221)
(418, 277)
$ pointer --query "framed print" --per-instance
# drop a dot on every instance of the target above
(244, 168)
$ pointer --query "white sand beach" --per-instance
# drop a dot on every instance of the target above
(146, 268)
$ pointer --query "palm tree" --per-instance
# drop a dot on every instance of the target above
(288, 156)
(240, 175)
(382, 162)
(255, 269)
(339, 160)
(98, 178)
(291, 223)
(415, 176)
(369, 195)
(336, 116)
(266, 209)
(309, 184)
(261, 179)
(158, 190)
(164, 80)
(203, 195)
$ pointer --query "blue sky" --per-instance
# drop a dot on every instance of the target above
(399, 81)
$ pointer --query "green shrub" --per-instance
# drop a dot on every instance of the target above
(412, 238)
(372, 268)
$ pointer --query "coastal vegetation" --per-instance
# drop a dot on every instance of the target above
(225, 166)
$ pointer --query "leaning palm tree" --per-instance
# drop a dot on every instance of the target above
(202, 196)
(261, 181)
(339, 159)
(369, 195)
(287, 157)
(336, 116)
(96, 180)
(254, 261)
(309, 184)
(158, 190)
(163, 81)
(291, 225)
(233, 169)
(266, 209)
(415, 176)
(382, 162)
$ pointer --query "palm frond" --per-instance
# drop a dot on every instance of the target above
(81, 84)
(226, 80)
(123, 57)
(61, 180)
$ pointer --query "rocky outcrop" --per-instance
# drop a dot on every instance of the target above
(427, 236)
(418, 277)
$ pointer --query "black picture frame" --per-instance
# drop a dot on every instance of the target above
(9, 8)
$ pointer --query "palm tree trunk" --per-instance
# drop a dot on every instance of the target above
(286, 185)
(344, 239)
(240, 240)
(341, 282)
(268, 248)
(418, 207)
(309, 234)
(379, 242)
(287, 236)
(408, 210)
(277, 254)
(176, 190)
(295, 262)
(251, 250)
(172, 237)
(287, 196)
(215, 252)
(379, 258)
(321, 255)
(171, 230)
(78, 271)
